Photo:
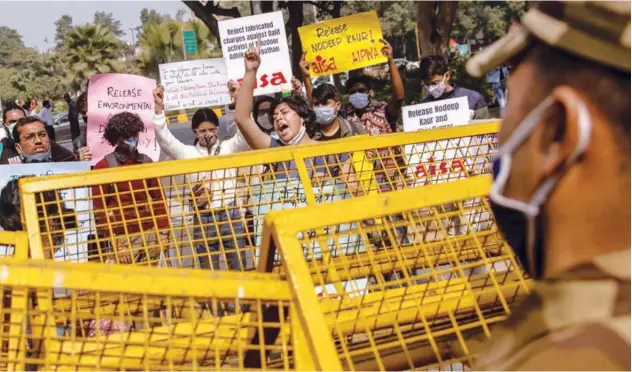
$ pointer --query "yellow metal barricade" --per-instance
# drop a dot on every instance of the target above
(114, 317)
(13, 245)
(208, 212)
(417, 291)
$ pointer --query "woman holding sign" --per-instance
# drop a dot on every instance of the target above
(290, 118)
(215, 194)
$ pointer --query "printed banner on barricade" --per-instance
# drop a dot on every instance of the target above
(273, 196)
(76, 202)
(196, 83)
(439, 161)
(343, 44)
(109, 94)
(239, 34)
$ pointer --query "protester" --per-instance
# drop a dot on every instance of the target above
(216, 199)
(290, 117)
(31, 144)
(326, 104)
(73, 117)
(260, 115)
(120, 207)
(10, 115)
(435, 78)
(376, 117)
(47, 118)
(81, 141)
(561, 189)
(497, 78)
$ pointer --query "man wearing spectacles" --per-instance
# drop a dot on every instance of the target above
(30, 143)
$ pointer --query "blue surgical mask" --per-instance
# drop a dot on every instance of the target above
(521, 222)
(359, 100)
(132, 142)
(325, 115)
(41, 157)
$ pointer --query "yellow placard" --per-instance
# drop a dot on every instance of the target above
(343, 44)
(218, 112)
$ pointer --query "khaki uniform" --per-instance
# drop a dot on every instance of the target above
(578, 320)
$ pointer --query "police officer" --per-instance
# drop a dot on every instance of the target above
(561, 190)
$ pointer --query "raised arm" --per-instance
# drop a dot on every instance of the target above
(395, 103)
(167, 141)
(256, 138)
(307, 79)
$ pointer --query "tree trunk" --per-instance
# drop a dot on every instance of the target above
(261, 6)
(295, 12)
(434, 26)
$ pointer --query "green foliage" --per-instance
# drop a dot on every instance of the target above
(484, 20)
(162, 43)
(10, 42)
(62, 26)
(91, 50)
(107, 21)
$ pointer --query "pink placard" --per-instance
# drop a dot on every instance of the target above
(109, 94)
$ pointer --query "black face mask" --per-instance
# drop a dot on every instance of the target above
(124, 152)
(519, 234)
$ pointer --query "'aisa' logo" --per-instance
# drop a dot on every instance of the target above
(321, 65)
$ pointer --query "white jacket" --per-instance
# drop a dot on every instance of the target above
(222, 185)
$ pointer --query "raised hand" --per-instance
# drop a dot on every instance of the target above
(387, 50)
(304, 65)
(252, 58)
(233, 89)
(159, 99)
(85, 154)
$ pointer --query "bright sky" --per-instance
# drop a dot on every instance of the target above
(35, 20)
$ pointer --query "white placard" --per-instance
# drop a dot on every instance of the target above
(238, 34)
(440, 161)
(438, 114)
(76, 199)
(197, 83)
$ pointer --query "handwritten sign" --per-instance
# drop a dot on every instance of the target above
(239, 34)
(197, 83)
(109, 94)
(439, 114)
(76, 199)
(273, 196)
(445, 160)
(343, 44)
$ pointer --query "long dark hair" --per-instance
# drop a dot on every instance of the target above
(202, 115)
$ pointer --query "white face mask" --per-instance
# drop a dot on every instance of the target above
(299, 136)
(437, 90)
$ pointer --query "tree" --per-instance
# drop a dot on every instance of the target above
(484, 22)
(207, 12)
(91, 49)
(107, 21)
(434, 26)
(10, 42)
(150, 16)
(62, 26)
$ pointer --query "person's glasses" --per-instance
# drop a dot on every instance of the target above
(206, 130)
(359, 90)
(31, 137)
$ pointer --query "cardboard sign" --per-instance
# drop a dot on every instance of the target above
(239, 34)
(439, 114)
(76, 199)
(109, 94)
(196, 83)
(343, 44)
(441, 161)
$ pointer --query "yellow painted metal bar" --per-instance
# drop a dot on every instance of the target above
(99, 277)
(310, 316)
(364, 208)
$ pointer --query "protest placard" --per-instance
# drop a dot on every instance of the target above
(343, 44)
(196, 83)
(76, 199)
(239, 34)
(109, 94)
(438, 161)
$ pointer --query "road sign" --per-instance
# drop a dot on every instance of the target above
(190, 41)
